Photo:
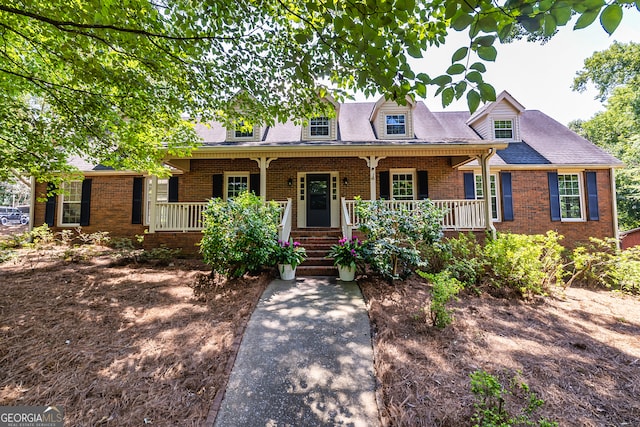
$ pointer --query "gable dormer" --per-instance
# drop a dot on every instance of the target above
(391, 120)
(323, 127)
(240, 127)
(499, 120)
(242, 130)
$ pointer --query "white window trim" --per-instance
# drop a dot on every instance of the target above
(405, 171)
(148, 182)
(228, 175)
(328, 126)
(231, 134)
(61, 205)
(497, 183)
(406, 124)
(581, 196)
(504, 119)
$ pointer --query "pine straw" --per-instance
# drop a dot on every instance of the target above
(579, 351)
(117, 345)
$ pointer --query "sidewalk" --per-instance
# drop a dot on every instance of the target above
(305, 359)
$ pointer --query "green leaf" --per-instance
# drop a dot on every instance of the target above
(484, 40)
(447, 96)
(450, 9)
(473, 100)
(424, 78)
(456, 69)
(441, 80)
(479, 66)
(301, 38)
(487, 92)
(505, 32)
(474, 77)
(488, 24)
(460, 88)
(586, 19)
(414, 51)
(549, 25)
(562, 14)
(488, 53)
(421, 90)
(610, 18)
(461, 21)
(459, 54)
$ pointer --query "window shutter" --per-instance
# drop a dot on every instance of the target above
(592, 196)
(254, 183)
(423, 185)
(554, 196)
(384, 185)
(85, 203)
(136, 205)
(507, 196)
(50, 207)
(469, 186)
(173, 189)
(217, 186)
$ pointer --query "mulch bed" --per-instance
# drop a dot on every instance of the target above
(118, 345)
(579, 351)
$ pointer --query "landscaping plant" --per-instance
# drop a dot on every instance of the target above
(347, 253)
(444, 288)
(290, 253)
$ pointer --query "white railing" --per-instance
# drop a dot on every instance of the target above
(188, 216)
(460, 214)
(284, 228)
(345, 220)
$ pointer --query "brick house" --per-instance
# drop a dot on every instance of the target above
(502, 168)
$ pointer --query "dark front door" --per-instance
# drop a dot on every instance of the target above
(318, 200)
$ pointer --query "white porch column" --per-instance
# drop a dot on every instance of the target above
(372, 163)
(152, 203)
(263, 163)
(614, 205)
(486, 190)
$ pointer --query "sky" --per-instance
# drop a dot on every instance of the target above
(538, 76)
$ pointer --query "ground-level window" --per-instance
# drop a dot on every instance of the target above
(403, 184)
(503, 129)
(396, 124)
(71, 201)
(319, 126)
(570, 193)
(493, 189)
(162, 194)
(236, 184)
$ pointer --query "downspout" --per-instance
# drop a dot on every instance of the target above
(614, 208)
(32, 203)
(486, 190)
(152, 204)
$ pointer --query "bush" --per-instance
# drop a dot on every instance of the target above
(240, 235)
(528, 264)
(444, 288)
(392, 237)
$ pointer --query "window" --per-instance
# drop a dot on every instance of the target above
(71, 200)
(503, 129)
(402, 185)
(243, 130)
(236, 184)
(162, 195)
(493, 189)
(570, 193)
(396, 124)
(319, 126)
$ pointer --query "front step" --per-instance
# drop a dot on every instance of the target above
(317, 244)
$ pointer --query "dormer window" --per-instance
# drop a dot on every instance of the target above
(319, 126)
(243, 131)
(396, 124)
(503, 129)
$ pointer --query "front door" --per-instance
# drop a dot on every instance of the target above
(318, 200)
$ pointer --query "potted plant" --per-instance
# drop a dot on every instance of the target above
(345, 255)
(289, 255)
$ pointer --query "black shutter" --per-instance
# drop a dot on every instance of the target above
(85, 203)
(254, 184)
(173, 189)
(136, 205)
(50, 207)
(469, 186)
(384, 185)
(217, 186)
(592, 196)
(554, 196)
(507, 196)
(423, 185)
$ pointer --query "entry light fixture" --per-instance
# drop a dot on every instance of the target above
(345, 181)
(290, 182)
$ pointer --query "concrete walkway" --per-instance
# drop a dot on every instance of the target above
(305, 359)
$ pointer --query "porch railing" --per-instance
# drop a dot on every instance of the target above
(188, 216)
(460, 214)
(284, 228)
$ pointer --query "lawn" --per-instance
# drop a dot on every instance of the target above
(128, 343)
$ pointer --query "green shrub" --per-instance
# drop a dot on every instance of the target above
(392, 237)
(444, 288)
(240, 235)
(528, 264)
(490, 408)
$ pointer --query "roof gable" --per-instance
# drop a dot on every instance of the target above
(504, 98)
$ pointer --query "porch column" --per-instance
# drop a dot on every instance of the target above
(372, 163)
(152, 203)
(486, 190)
(263, 163)
(614, 206)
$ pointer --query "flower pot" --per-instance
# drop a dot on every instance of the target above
(287, 272)
(347, 274)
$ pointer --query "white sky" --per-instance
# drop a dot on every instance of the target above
(539, 76)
